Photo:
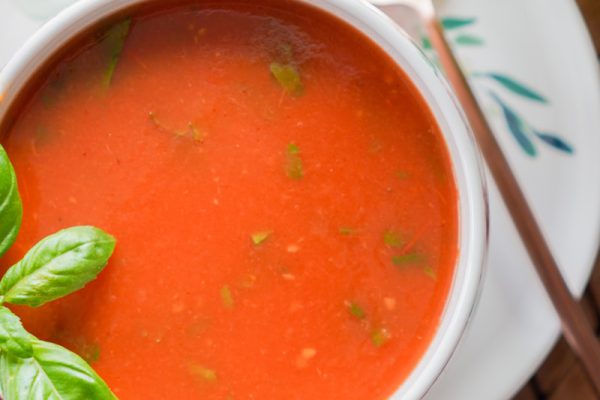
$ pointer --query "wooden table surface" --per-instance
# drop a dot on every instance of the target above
(560, 376)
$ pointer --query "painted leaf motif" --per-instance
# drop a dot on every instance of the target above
(57, 266)
(426, 43)
(454, 23)
(514, 86)
(53, 373)
(556, 142)
(519, 128)
(468, 40)
(11, 209)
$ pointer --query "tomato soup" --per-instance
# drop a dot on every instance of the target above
(282, 198)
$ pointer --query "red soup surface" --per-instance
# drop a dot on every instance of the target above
(282, 198)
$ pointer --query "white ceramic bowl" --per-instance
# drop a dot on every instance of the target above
(432, 86)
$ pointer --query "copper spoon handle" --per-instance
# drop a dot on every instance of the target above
(576, 328)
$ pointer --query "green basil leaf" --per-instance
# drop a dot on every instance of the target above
(53, 373)
(288, 78)
(57, 266)
(11, 210)
(115, 42)
(14, 339)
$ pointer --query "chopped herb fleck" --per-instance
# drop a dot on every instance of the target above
(115, 41)
(403, 175)
(191, 130)
(295, 167)
(227, 297)
(410, 258)
(205, 374)
(42, 135)
(84, 347)
(348, 231)
(293, 148)
(356, 310)
(197, 134)
(375, 147)
(430, 272)
(55, 89)
(379, 337)
(156, 122)
(90, 352)
(392, 239)
(259, 237)
(288, 78)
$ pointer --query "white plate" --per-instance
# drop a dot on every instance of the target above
(543, 45)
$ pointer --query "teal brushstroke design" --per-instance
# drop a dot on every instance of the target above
(556, 142)
(468, 40)
(519, 128)
(449, 23)
(513, 85)
(426, 43)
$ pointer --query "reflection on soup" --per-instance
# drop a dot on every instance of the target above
(283, 201)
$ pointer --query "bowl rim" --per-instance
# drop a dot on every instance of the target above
(434, 89)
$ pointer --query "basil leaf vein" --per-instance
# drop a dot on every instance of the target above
(11, 209)
(53, 373)
(14, 339)
(57, 266)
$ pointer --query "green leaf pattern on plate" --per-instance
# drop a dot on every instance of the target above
(468, 40)
(519, 128)
(450, 23)
(523, 132)
(513, 85)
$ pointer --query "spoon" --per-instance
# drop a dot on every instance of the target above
(575, 326)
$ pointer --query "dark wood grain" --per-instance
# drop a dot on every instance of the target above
(527, 393)
(575, 386)
(591, 13)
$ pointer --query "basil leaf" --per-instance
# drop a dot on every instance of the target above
(295, 167)
(11, 210)
(288, 78)
(115, 42)
(57, 266)
(14, 339)
(53, 373)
